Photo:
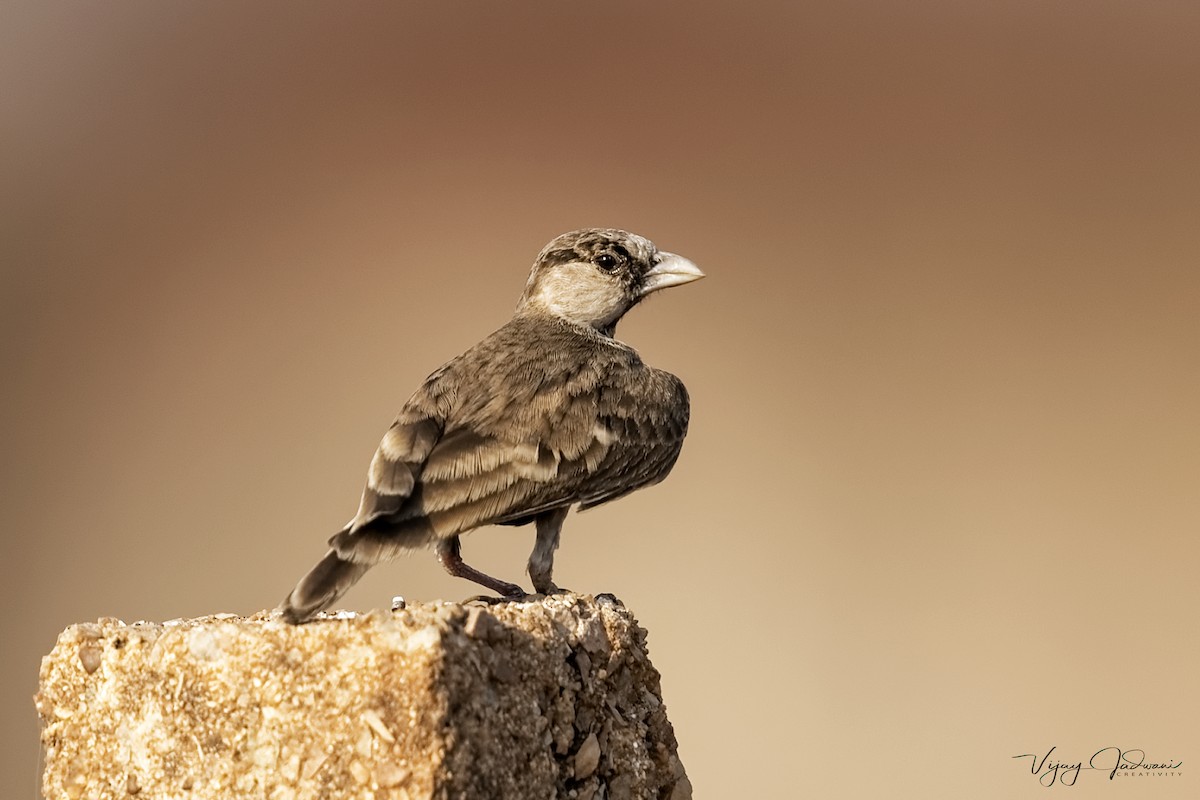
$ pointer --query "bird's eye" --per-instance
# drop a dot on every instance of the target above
(606, 262)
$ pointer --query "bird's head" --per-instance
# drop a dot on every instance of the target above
(594, 275)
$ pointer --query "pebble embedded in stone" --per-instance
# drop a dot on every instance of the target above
(372, 718)
(584, 662)
(481, 625)
(390, 774)
(89, 657)
(359, 772)
(587, 757)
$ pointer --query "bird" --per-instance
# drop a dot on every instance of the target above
(547, 413)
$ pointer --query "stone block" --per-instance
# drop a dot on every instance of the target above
(553, 697)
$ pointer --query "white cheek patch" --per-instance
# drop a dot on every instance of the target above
(577, 293)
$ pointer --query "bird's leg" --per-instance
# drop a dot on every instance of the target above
(541, 560)
(449, 552)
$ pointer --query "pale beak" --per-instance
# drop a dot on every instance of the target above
(669, 270)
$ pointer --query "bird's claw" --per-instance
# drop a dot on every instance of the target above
(495, 600)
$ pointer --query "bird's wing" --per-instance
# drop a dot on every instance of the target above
(439, 471)
(397, 463)
(583, 441)
(473, 478)
(646, 421)
(394, 469)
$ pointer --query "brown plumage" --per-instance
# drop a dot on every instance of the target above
(548, 412)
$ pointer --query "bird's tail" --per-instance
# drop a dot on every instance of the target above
(321, 587)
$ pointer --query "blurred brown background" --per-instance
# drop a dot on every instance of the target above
(939, 502)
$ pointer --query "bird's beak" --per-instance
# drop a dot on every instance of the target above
(669, 270)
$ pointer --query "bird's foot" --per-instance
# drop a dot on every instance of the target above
(493, 600)
(550, 588)
(508, 593)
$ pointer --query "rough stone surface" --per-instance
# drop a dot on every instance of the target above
(555, 697)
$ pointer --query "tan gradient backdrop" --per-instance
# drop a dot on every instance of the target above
(939, 503)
